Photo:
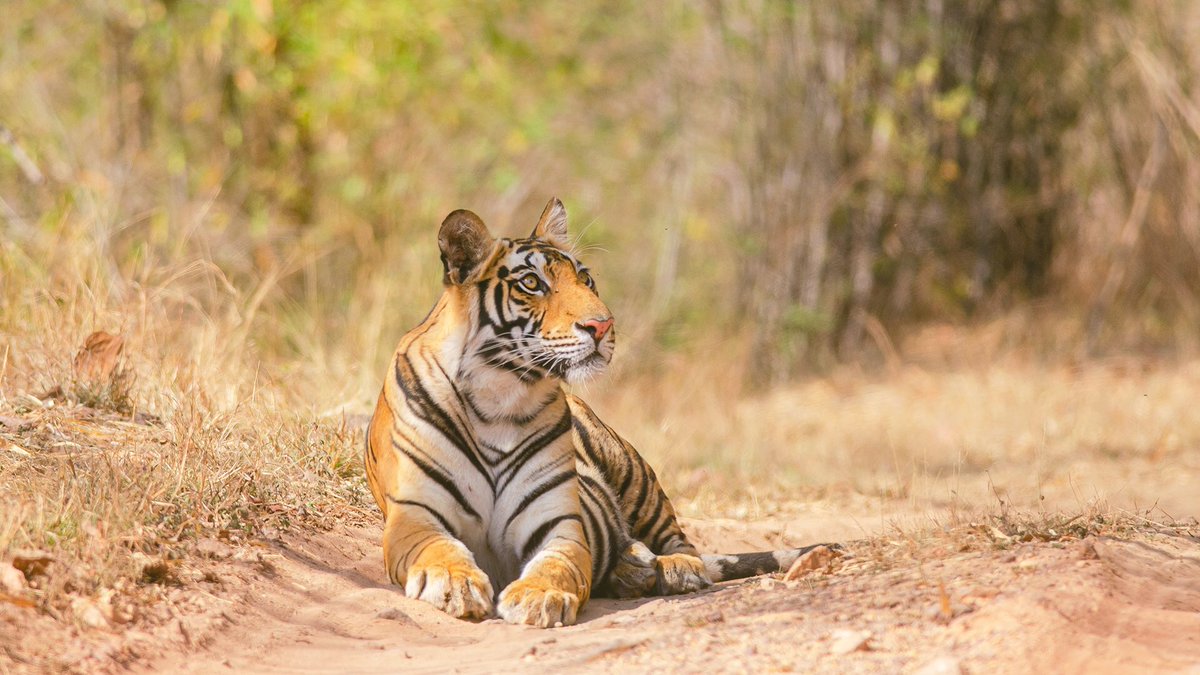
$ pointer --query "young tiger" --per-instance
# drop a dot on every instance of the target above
(490, 476)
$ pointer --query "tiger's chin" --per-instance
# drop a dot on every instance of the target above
(586, 369)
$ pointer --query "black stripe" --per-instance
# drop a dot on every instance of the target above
(422, 405)
(535, 539)
(653, 540)
(370, 450)
(612, 527)
(538, 492)
(598, 541)
(444, 523)
(532, 446)
(468, 448)
(440, 478)
(484, 315)
(498, 305)
(542, 405)
(628, 480)
(641, 500)
(585, 439)
(748, 565)
(652, 509)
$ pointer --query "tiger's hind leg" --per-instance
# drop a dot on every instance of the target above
(639, 573)
(635, 573)
(677, 573)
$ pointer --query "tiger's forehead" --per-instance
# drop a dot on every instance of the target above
(535, 254)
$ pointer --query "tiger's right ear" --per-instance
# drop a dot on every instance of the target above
(465, 244)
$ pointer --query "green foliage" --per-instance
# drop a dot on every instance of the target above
(864, 160)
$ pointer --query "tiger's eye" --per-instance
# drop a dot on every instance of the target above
(530, 282)
(585, 277)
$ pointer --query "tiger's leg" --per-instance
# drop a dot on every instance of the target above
(635, 573)
(432, 565)
(648, 517)
(556, 581)
(678, 567)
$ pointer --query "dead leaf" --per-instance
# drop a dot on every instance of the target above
(32, 563)
(14, 423)
(16, 600)
(160, 572)
(819, 558)
(99, 356)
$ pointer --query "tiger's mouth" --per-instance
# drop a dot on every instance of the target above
(586, 368)
(576, 368)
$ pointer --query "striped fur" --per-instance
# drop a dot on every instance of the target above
(490, 476)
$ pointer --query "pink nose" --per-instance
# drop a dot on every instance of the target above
(597, 327)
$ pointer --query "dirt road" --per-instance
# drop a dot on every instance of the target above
(321, 604)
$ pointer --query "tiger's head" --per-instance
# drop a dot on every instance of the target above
(534, 306)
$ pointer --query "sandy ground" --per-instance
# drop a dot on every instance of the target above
(321, 604)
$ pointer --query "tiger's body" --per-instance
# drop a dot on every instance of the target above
(490, 476)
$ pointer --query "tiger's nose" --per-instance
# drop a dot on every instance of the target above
(597, 328)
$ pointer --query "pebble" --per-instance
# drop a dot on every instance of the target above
(90, 613)
(11, 579)
(942, 665)
(213, 548)
(847, 641)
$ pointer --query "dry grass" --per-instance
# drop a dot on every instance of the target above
(1003, 528)
(187, 436)
(1033, 435)
(206, 428)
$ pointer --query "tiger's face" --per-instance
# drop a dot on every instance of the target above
(539, 313)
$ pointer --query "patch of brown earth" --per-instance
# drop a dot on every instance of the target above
(1097, 605)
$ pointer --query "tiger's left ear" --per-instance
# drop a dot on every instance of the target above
(552, 226)
(465, 244)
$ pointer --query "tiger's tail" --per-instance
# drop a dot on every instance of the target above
(726, 567)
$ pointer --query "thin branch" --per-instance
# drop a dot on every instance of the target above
(32, 173)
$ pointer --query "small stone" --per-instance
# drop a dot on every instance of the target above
(1027, 565)
(213, 548)
(1086, 550)
(942, 665)
(767, 584)
(847, 641)
(11, 579)
(393, 614)
(91, 613)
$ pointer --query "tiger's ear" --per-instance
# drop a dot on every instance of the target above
(552, 226)
(465, 244)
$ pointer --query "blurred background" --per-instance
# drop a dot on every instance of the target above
(787, 204)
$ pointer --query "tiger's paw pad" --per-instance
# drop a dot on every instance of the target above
(461, 591)
(680, 573)
(530, 602)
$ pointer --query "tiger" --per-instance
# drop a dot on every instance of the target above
(491, 476)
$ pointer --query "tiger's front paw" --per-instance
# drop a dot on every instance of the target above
(462, 591)
(533, 602)
(680, 573)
